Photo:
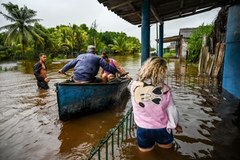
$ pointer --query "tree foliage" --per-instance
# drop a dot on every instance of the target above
(25, 34)
(21, 29)
(195, 41)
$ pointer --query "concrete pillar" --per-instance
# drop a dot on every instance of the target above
(231, 72)
(157, 37)
(160, 44)
(145, 30)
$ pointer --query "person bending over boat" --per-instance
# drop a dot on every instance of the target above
(153, 107)
(40, 72)
(86, 67)
(107, 76)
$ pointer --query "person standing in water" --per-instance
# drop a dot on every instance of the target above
(40, 72)
(155, 112)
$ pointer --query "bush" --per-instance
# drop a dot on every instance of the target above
(195, 41)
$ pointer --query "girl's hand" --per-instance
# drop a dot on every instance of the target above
(179, 129)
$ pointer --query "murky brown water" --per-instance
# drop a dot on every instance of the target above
(30, 128)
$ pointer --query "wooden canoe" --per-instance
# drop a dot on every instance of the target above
(80, 99)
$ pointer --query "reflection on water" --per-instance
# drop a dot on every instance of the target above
(9, 66)
(78, 136)
(30, 128)
(26, 123)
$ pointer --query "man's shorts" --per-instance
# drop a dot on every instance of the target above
(42, 85)
(146, 138)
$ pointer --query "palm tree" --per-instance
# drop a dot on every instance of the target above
(21, 29)
(120, 45)
(93, 34)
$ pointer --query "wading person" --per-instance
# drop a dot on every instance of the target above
(153, 107)
(107, 76)
(86, 67)
(40, 72)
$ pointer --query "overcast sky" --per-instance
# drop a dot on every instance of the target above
(57, 12)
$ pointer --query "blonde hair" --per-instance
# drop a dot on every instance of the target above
(154, 69)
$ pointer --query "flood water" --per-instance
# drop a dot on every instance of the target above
(30, 128)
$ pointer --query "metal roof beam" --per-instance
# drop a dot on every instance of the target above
(189, 14)
(129, 14)
(181, 7)
(154, 12)
(121, 5)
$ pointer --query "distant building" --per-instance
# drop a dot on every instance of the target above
(185, 33)
(172, 45)
(179, 42)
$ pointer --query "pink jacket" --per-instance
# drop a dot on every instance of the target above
(153, 107)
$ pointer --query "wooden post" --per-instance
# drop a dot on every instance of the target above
(180, 48)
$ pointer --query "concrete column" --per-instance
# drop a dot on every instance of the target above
(145, 30)
(160, 44)
(231, 72)
(157, 37)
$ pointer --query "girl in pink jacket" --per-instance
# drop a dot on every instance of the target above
(153, 107)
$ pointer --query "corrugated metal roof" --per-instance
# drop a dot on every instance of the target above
(162, 10)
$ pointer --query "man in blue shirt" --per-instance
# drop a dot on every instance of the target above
(86, 67)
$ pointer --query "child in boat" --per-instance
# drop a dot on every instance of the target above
(107, 76)
(154, 110)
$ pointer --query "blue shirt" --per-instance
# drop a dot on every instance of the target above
(86, 67)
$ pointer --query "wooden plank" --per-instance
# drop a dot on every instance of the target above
(215, 58)
(206, 48)
(170, 39)
(210, 64)
(202, 60)
(219, 60)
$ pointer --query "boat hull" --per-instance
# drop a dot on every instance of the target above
(75, 99)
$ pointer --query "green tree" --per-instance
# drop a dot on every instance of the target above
(21, 29)
(55, 39)
(92, 39)
(107, 37)
(119, 44)
(133, 45)
(47, 44)
(195, 41)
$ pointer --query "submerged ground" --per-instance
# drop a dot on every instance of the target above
(30, 127)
